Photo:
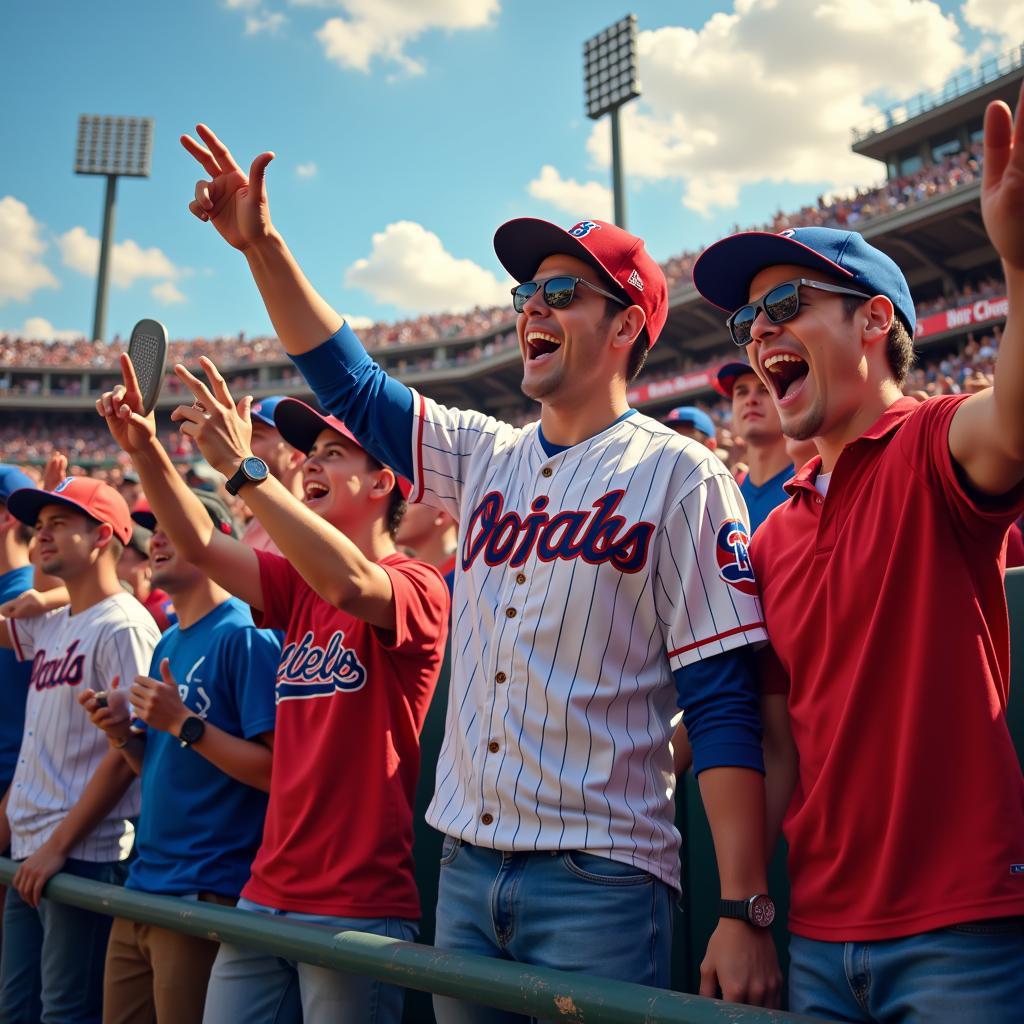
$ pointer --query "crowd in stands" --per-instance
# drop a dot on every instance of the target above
(830, 211)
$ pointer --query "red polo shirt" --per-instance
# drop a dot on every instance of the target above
(885, 603)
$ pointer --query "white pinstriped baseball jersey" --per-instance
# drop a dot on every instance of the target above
(61, 748)
(583, 580)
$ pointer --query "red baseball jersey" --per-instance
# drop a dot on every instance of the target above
(351, 702)
(884, 601)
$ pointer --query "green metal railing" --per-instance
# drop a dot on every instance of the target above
(537, 991)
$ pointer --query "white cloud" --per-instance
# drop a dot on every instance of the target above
(408, 267)
(263, 21)
(381, 28)
(241, 5)
(81, 252)
(771, 90)
(37, 328)
(579, 199)
(307, 170)
(21, 270)
(996, 17)
(359, 323)
(167, 292)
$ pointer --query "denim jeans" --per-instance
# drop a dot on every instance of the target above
(259, 988)
(567, 910)
(967, 974)
(51, 967)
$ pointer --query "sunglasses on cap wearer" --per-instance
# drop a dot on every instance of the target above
(558, 292)
(780, 304)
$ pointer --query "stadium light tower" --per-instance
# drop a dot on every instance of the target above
(609, 81)
(113, 147)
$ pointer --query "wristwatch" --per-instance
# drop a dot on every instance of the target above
(758, 910)
(192, 730)
(251, 471)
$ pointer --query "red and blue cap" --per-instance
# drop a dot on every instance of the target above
(691, 416)
(263, 409)
(723, 271)
(300, 425)
(619, 257)
(93, 498)
(728, 374)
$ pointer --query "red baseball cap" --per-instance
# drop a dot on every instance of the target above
(619, 257)
(94, 498)
(300, 425)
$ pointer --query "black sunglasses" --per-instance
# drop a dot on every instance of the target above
(558, 292)
(780, 304)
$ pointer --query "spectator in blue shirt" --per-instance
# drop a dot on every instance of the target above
(204, 759)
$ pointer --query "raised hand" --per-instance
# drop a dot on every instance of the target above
(221, 427)
(234, 203)
(1002, 183)
(122, 409)
(56, 470)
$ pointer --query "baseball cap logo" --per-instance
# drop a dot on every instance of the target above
(583, 228)
(788, 233)
(636, 281)
(63, 485)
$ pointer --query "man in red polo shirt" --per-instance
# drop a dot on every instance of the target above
(883, 595)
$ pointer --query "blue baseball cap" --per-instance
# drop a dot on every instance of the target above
(723, 271)
(12, 479)
(691, 416)
(263, 410)
(728, 374)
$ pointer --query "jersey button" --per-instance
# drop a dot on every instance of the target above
(500, 677)
(510, 613)
(546, 471)
(520, 577)
(493, 746)
(486, 818)
(819, 500)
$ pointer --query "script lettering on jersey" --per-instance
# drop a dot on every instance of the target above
(309, 670)
(66, 669)
(597, 536)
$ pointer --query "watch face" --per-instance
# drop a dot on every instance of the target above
(192, 729)
(254, 469)
(762, 911)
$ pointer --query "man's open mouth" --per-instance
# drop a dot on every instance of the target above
(785, 370)
(313, 490)
(540, 343)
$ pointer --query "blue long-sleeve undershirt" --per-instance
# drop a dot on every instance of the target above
(720, 695)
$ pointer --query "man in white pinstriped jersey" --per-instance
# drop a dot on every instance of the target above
(67, 805)
(602, 568)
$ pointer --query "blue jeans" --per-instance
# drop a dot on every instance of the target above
(570, 911)
(259, 988)
(967, 974)
(51, 967)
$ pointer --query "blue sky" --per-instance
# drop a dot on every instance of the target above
(407, 130)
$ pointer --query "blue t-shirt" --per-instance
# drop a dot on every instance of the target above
(14, 676)
(761, 500)
(199, 829)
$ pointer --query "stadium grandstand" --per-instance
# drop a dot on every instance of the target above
(926, 214)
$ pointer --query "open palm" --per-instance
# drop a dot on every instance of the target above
(234, 203)
(1002, 190)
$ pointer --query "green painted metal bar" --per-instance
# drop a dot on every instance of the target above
(548, 994)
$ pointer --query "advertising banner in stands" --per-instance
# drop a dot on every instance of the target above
(680, 384)
(980, 312)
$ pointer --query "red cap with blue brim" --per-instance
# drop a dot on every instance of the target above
(723, 271)
(728, 374)
(619, 257)
(300, 425)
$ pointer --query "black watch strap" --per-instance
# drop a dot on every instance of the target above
(758, 910)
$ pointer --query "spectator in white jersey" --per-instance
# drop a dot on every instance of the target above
(68, 804)
(602, 577)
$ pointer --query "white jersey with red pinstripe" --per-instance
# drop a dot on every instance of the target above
(583, 580)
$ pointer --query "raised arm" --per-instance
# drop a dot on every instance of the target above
(986, 436)
(325, 558)
(228, 562)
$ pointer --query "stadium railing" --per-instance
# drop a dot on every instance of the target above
(548, 994)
